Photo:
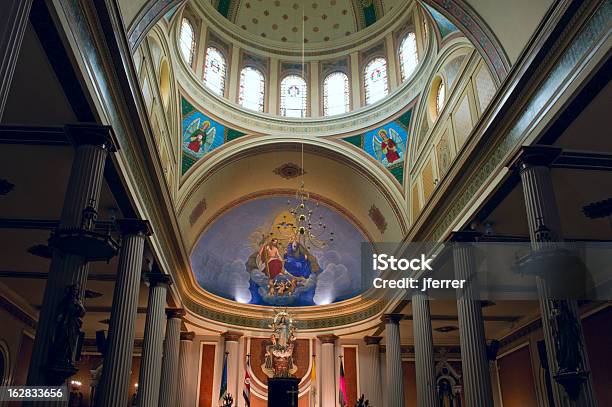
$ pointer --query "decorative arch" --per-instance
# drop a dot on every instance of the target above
(478, 32)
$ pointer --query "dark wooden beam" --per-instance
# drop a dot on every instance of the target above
(45, 136)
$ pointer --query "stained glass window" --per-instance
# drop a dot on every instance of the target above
(214, 71)
(375, 80)
(336, 94)
(440, 97)
(252, 89)
(409, 58)
(293, 96)
(187, 41)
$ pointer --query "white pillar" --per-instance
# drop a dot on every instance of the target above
(93, 144)
(395, 375)
(185, 374)
(391, 62)
(474, 362)
(231, 348)
(543, 214)
(233, 74)
(372, 385)
(170, 361)
(114, 385)
(273, 87)
(13, 20)
(423, 351)
(315, 98)
(328, 370)
(150, 366)
(356, 79)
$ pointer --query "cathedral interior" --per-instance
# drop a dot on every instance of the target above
(189, 208)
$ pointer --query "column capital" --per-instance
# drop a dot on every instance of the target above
(175, 312)
(92, 134)
(372, 340)
(392, 318)
(328, 338)
(231, 336)
(465, 236)
(530, 156)
(187, 336)
(157, 278)
(134, 227)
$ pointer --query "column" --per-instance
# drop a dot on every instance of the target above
(315, 98)
(273, 86)
(152, 347)
(373, 380)
(356, 80)
(185, 373)
(93, 143)
(542, 214)
(13, 20)
(231, 348)
(170, 361)
(391, 62)
(423, 351)
(201, 53)
(233, 75)
(328, 369)
(474, 362)
(114, 385)
(395, 375)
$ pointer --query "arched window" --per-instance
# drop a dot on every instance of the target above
(187, 41)
(408, 56)
(214, 71)
(335, 94)
(293, 96)
(252, 89)
(375, 80)
(440, 97)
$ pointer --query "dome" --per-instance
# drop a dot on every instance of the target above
(322, 20)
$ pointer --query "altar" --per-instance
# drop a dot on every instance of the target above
(283, 392)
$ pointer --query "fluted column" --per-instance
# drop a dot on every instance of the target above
(423, 351)
(114, 385)
(395, 375)
(170, 361)
(13, 20)
(542, 213)
(93, 144)
(328, 369)
(373, 379)
(231, 348)
(152, 347)
(185, 374)
(474, 362)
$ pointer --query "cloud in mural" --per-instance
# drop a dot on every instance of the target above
(234, 275)
(332, 283)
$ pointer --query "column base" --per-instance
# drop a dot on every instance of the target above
(572, 382)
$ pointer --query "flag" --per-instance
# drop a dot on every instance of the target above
(313, 383)
(342, 388)
(223, 388)
(246, 393)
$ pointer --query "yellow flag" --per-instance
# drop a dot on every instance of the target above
(313, 383)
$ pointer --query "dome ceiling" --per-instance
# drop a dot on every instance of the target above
(321, 20)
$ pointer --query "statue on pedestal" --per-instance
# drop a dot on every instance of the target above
(279, 355)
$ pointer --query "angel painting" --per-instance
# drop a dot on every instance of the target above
(201, 137)
(388, 146)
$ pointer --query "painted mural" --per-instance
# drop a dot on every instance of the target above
(445, 27)
(387, 144)
(201, 134)
(254, 254)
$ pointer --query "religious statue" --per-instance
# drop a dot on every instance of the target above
(67, 330)
(279, 355)
(567, 338)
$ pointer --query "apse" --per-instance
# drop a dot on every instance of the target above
(256, 253)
